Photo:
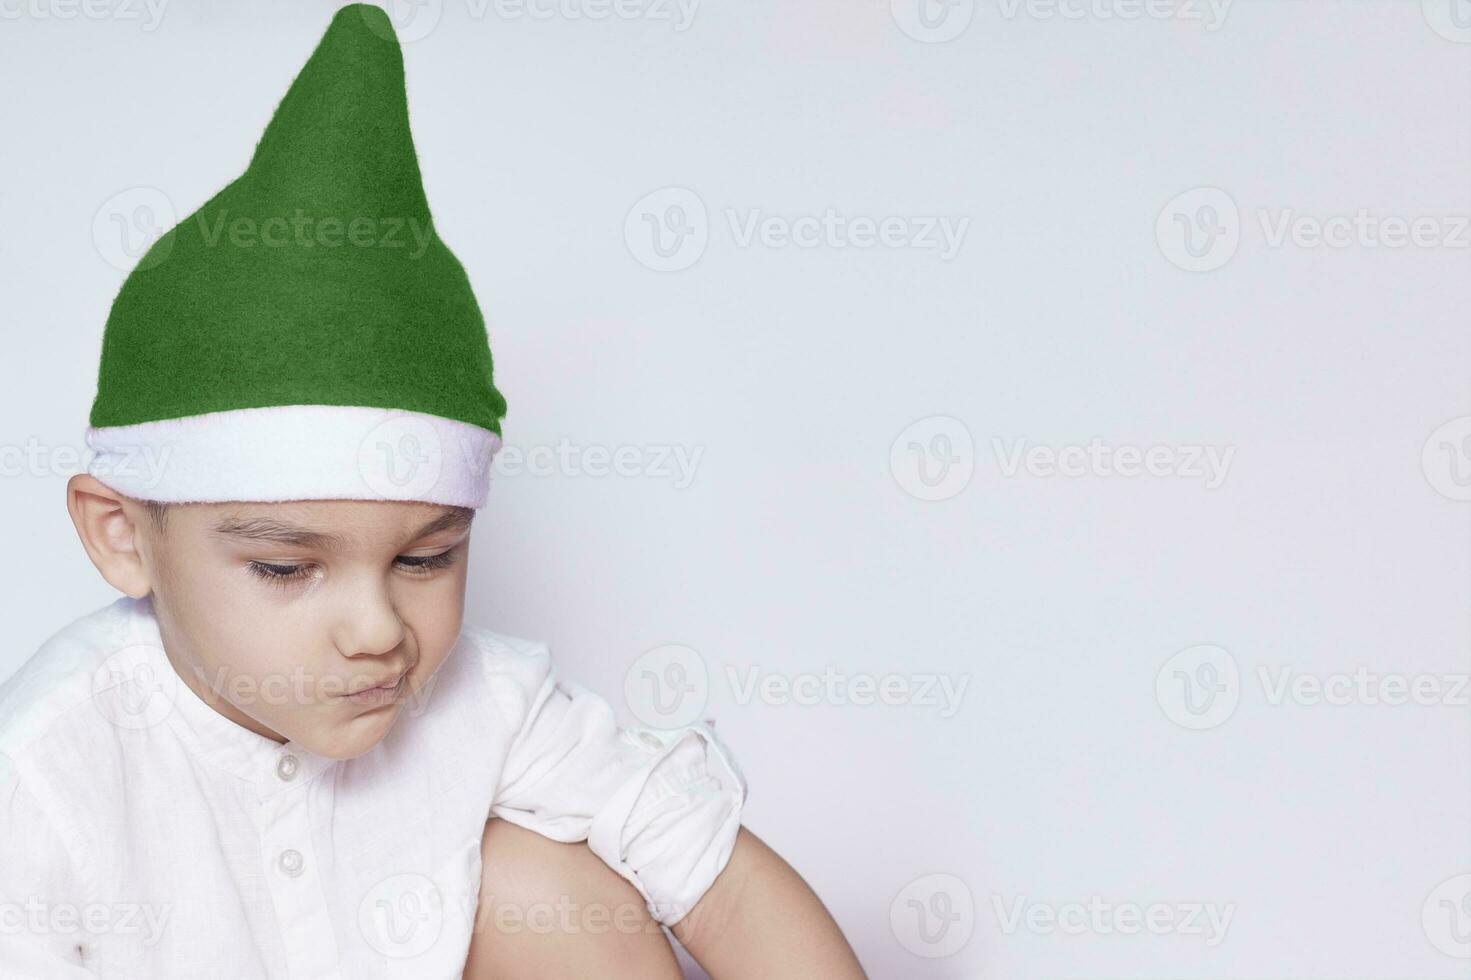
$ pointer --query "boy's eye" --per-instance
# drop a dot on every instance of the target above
(273, 572)
(423, 564)
(281, 574)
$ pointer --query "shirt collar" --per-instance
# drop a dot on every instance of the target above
(272, 767)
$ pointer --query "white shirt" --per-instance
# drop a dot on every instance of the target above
(145, 835)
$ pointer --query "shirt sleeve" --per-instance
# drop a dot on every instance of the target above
(41, 920)
(661, 808)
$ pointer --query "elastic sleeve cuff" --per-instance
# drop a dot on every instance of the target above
(670, 828)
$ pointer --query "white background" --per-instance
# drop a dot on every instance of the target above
(1330, 546)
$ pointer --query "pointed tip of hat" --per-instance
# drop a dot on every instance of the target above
(341, 134)
(356, 16)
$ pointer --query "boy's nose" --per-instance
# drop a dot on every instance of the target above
(369, 627)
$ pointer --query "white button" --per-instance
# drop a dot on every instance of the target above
(287, 767)
(291, 862)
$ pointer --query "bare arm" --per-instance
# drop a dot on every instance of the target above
(760, 918)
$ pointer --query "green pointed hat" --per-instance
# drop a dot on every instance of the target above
(305, 334)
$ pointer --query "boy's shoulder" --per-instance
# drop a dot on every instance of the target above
(509, 672)
(502, 651)
(63, 676)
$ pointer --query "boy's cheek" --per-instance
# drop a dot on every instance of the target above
(435, 644)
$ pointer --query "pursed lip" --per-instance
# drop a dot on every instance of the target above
(388, 684)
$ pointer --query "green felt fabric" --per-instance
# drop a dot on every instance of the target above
(316, 277)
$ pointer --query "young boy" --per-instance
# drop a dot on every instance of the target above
(282, 754)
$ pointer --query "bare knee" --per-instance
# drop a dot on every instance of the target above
(551, 909)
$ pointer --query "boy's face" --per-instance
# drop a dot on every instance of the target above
(276, 614)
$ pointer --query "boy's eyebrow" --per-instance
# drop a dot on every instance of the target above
(265, 529)
(278, 532)
(450, 520)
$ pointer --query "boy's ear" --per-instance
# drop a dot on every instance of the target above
(110, 533)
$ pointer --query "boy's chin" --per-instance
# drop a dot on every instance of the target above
(348, 739)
